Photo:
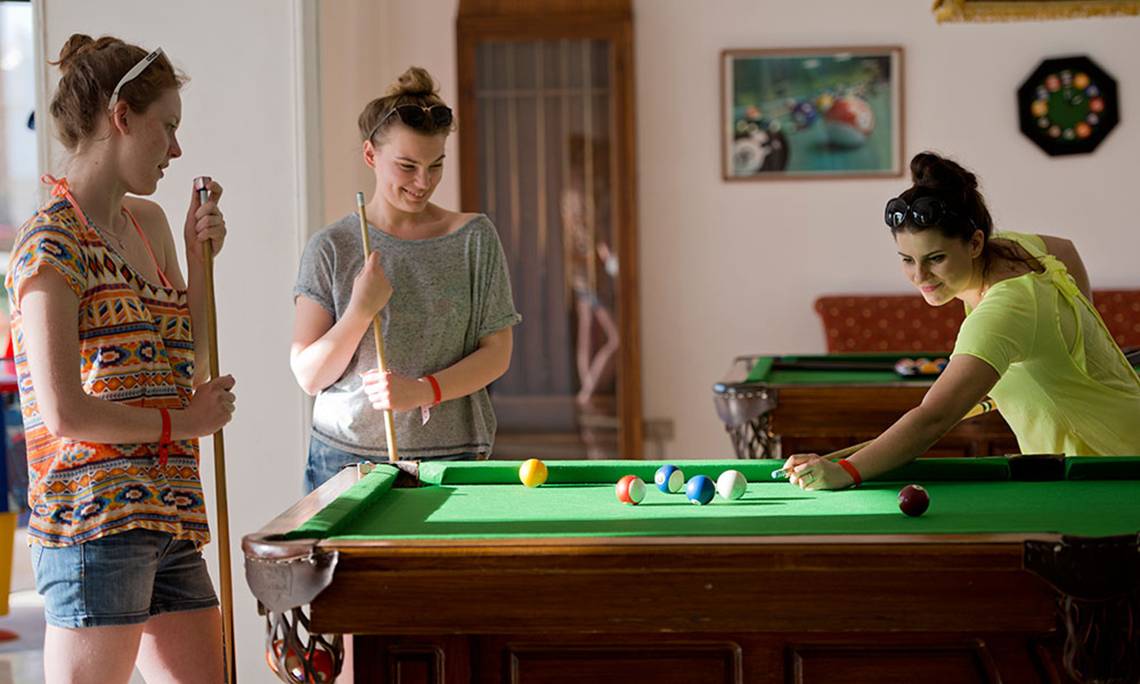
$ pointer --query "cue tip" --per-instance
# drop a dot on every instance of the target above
(360, 199)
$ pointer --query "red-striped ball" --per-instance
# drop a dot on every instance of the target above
(630, 490)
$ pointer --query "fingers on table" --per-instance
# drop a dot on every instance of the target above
(803, 476)
(794, 462)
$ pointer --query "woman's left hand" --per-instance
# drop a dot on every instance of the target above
(812, 471)
(389, 391)
(204, 221)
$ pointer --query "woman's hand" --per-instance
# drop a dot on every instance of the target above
(211, 407)
(204, 221)
(812, 471)
(370, 289)
(388, 391)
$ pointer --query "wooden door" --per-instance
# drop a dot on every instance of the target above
(547, 151)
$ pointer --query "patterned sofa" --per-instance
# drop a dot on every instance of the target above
(868, 323)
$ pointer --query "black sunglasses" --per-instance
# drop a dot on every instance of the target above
(418, 116)
(923, 212)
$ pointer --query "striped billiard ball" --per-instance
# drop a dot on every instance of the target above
(630, 490)
(700, 490)
(669, 479)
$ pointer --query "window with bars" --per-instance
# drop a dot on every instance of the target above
(545, 123)
(544, 129)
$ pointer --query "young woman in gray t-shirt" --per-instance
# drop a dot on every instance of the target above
(439, 282)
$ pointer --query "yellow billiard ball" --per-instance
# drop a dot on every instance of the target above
(532, 472)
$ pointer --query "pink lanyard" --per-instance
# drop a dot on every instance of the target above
(60, 188)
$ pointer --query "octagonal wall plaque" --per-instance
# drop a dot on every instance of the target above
(1068, 105)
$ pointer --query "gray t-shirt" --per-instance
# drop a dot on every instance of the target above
(447, 293)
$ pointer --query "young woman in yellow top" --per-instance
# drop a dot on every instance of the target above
(1031, 339)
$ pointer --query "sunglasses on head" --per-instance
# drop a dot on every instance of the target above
(418, 117)
(923, 212)
(133, 73)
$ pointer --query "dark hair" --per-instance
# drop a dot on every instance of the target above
(90, 71)
(414, 87)
(936, 176)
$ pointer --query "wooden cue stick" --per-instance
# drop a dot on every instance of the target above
(221, 502)
(983, 406)
(382, 363)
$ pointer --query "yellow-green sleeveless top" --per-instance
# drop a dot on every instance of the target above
(1065, 386)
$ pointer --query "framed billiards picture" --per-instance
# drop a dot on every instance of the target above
(812, 113)
(1068, 105)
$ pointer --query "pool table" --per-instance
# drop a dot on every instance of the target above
(458, 573)
(774, 406)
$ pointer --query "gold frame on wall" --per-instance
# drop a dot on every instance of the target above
(1030, 10)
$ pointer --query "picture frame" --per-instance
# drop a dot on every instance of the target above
(812, 113)
(1030, 10)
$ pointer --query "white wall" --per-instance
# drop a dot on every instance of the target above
(365, 46)
(733, 268)
(241, 123)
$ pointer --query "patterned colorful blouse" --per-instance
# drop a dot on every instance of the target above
(136, 347)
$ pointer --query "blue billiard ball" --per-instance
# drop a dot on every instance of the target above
(669, 479)
(700, 490)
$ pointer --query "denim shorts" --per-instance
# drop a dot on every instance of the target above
(121, 579)
(326, 460)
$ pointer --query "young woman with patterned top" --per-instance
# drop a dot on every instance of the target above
(1031, 339)
(439, 281)
(118, 518)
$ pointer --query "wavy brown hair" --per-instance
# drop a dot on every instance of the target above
(415, 87)
(91, 68)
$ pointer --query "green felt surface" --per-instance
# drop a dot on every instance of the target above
(484, 500)
(763, 370)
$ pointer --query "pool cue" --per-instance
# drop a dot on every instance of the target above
(377, 331)
(219, 457)
(984, 406)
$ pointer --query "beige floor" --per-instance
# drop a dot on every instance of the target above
(21, 659)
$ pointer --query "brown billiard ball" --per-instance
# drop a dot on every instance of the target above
(913, 500)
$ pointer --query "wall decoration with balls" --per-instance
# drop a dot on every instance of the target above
(812, 113)
(1068, 105)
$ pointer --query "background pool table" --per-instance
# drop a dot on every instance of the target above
(774, 406)
(457, 573)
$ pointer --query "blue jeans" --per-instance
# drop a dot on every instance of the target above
(326, 460)
(121, 579)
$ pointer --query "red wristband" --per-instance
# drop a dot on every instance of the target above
(852, 471)
(437, 394)
(164, 440)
